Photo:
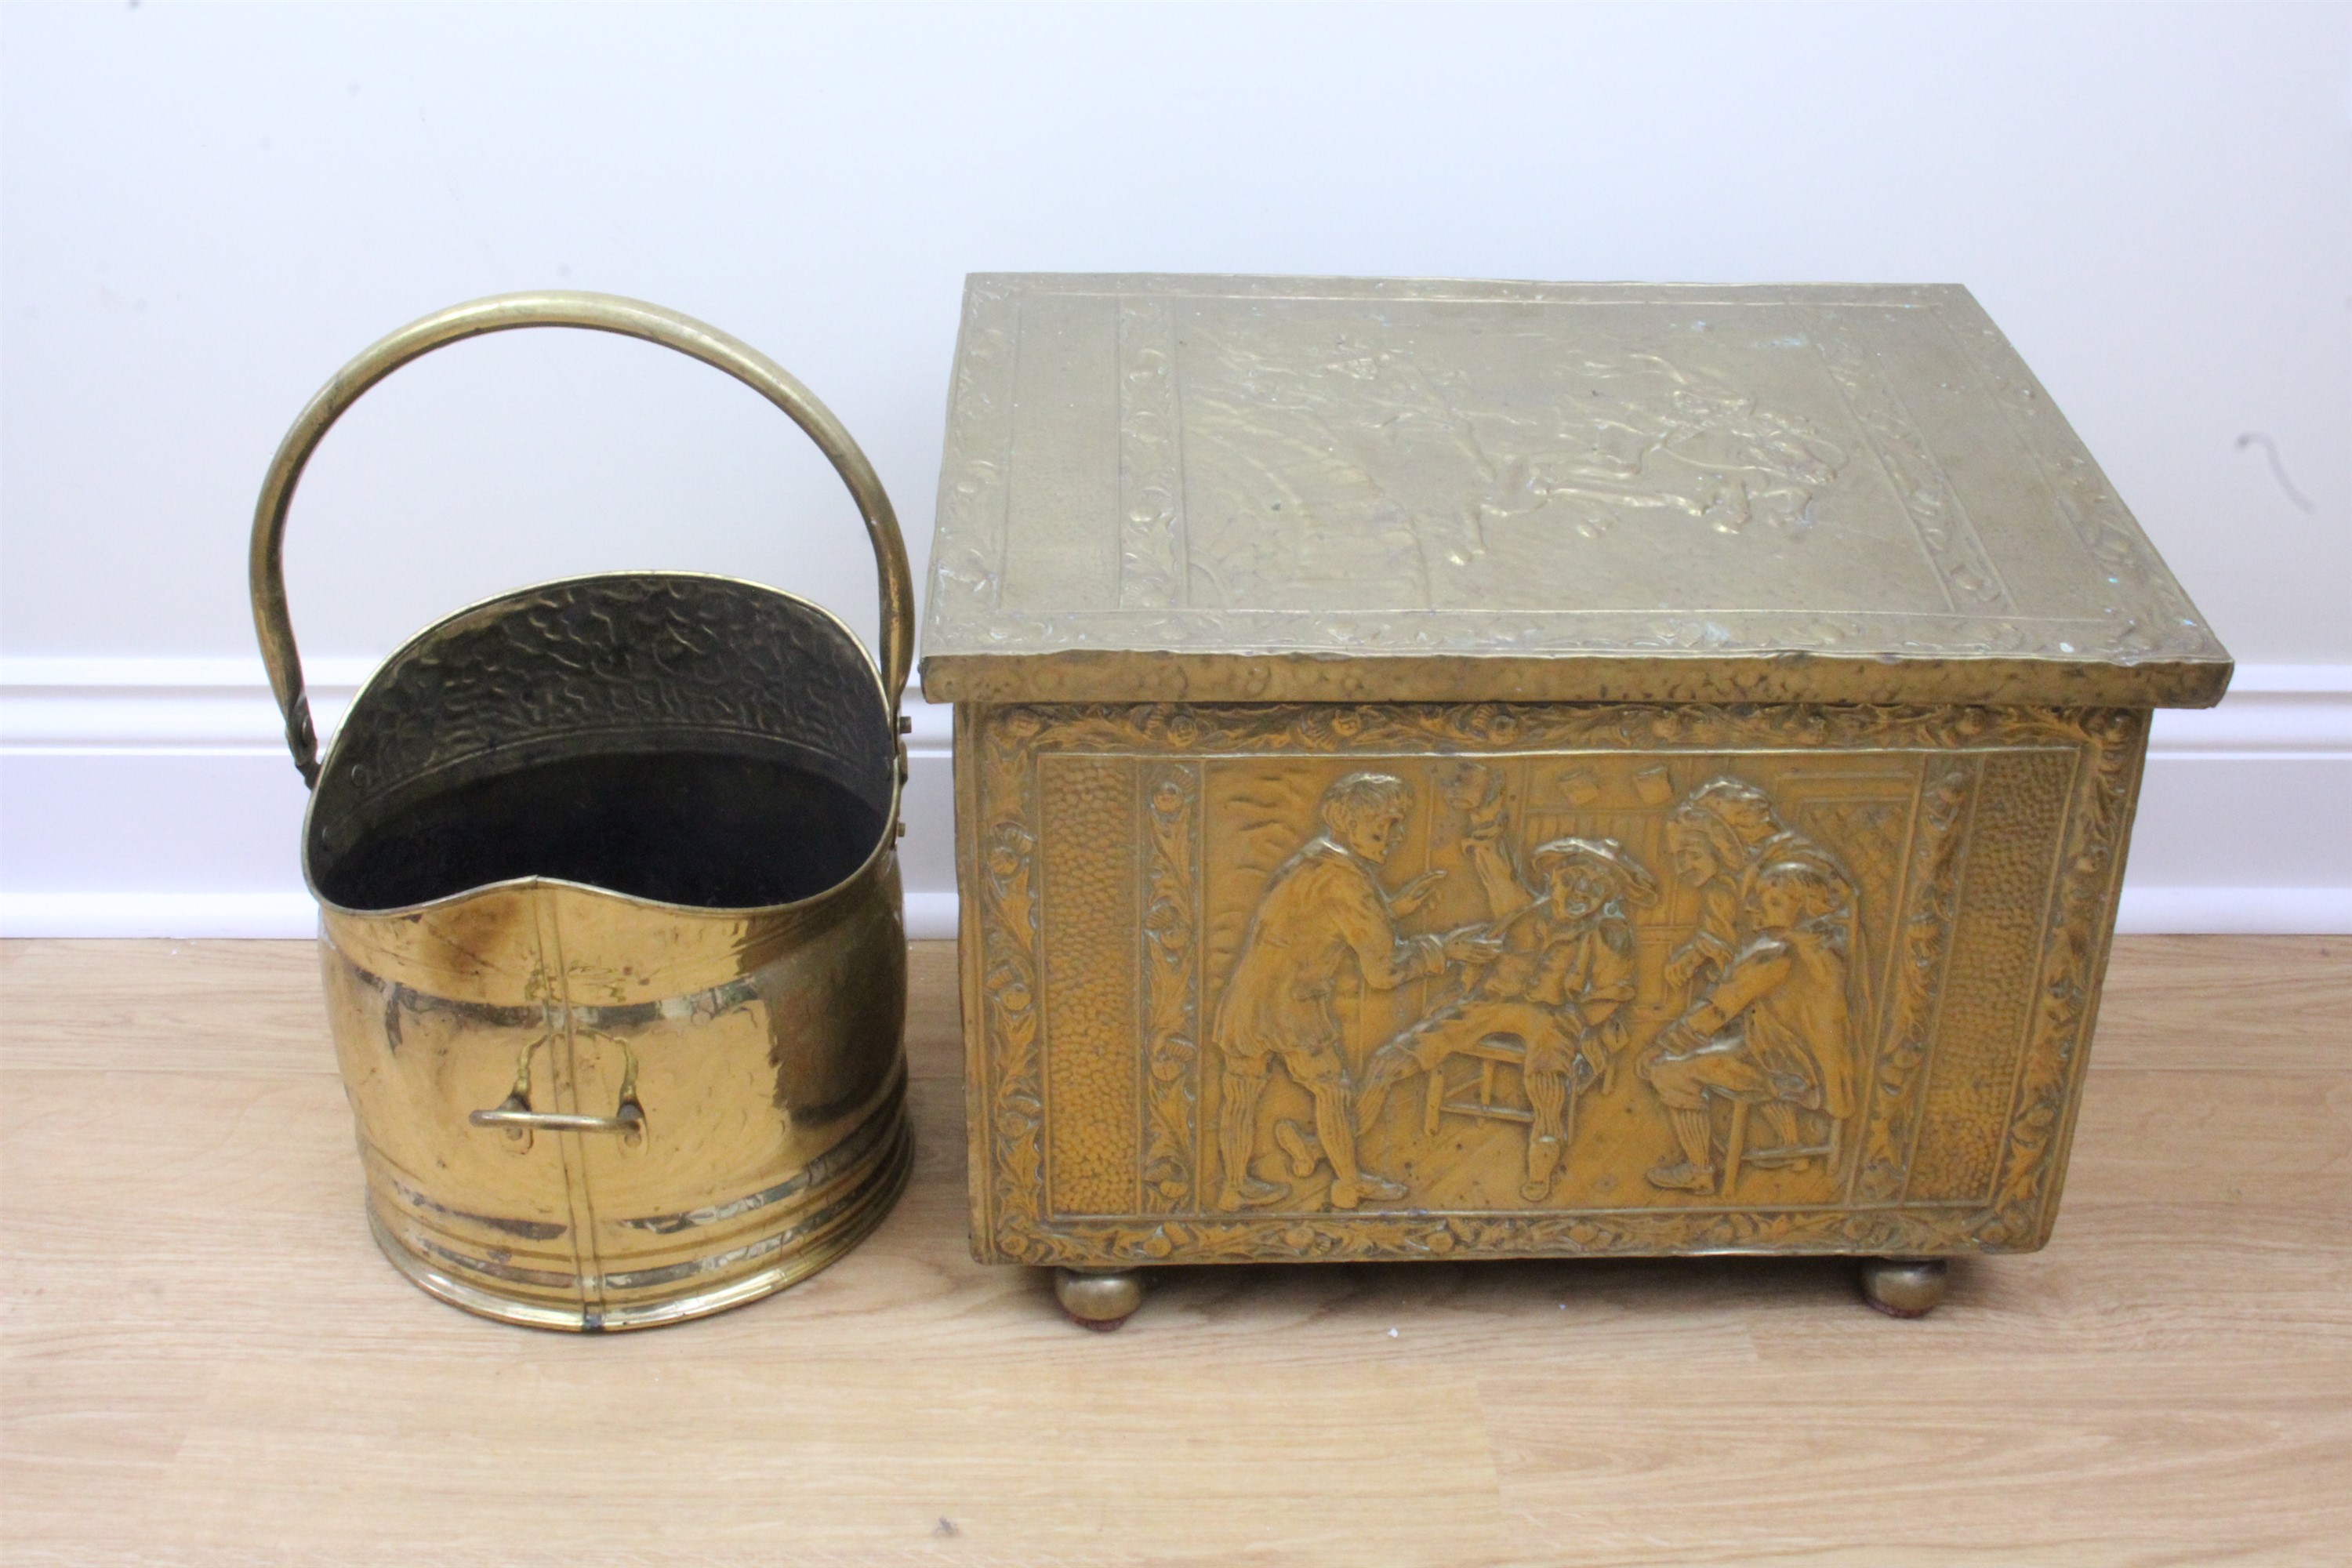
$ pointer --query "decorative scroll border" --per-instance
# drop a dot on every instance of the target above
(1004, 1099)
(1932, 878)
(975, 497)
(2080, 925)
(2168, 623)
(1150, 474)
(997, 809)
(1171, 984)
(1913, 469)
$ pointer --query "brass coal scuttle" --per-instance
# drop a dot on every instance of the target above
(1473, 770)
(610, 918)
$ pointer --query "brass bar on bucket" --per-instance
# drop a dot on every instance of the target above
(609, 914)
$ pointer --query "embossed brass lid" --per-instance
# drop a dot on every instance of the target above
(1274, 489)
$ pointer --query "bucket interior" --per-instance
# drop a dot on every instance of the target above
(688, 739)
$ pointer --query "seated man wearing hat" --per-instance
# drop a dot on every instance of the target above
(1565, 973)
(1775, 1029)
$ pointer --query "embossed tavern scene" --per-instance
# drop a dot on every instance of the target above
(1316, 974)
(1458, 770)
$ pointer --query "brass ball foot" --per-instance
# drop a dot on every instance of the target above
(1098, 1299)
(1903, 1287)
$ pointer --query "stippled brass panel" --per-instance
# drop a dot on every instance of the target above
(1090, 991)
(1428, 980)
(1988, 997)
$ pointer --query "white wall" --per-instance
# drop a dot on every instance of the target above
(203, 211)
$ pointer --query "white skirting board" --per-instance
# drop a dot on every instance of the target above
(153, 797)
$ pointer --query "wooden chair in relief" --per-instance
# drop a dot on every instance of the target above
(1490, 1052)
(1778, 1156)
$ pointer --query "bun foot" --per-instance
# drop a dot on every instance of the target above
(1098, 1299)
(1903, 1287)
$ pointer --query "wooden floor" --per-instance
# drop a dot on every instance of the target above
(205, 1360)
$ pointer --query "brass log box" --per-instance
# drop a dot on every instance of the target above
(1457, 770)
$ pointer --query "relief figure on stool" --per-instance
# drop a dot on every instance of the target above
(1708, 858)
(1325, 909)
(1767, 1024)
(1552, 1002)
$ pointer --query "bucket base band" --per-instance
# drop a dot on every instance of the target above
(828, 1235)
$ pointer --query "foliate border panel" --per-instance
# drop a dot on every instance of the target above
(1914, 473)
(1986, 1006)
(1151, 459)
(1947, 795)
(1171, 984)
(998, 834)
(2075, 939)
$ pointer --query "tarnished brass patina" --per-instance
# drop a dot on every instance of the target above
(1100, 1298)
(1903, 1287)
(1459, 769)
(610, 906)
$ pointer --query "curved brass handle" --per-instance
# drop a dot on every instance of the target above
(519, 1120)
(596, 312)
(631, 1120)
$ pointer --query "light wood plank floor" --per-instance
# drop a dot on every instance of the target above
(204, 1359)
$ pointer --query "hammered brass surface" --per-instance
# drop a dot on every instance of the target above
(1171, 489)
(1309, 981)
(759, 1053)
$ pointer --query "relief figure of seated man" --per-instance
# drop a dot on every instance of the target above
(1775, 1028)
(1559, 986)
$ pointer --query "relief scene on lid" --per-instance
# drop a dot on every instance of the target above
(1231, 468)
(1389, 462)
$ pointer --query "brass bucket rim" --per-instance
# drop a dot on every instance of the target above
(886, 841)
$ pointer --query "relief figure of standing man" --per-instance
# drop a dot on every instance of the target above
(1323, 911)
